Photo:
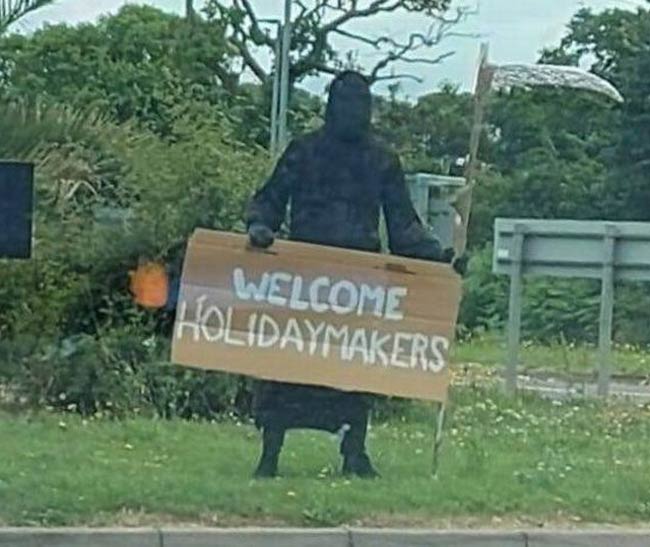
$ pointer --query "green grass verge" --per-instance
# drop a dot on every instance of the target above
(559, 358)
(502, 459)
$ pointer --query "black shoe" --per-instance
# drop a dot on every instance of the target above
(360, 466)
(266, 470)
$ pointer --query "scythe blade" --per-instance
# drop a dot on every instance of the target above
(494, 77)
(558, 76)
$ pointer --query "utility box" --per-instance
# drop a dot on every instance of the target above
(433, 196)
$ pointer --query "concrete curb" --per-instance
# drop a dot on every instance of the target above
(301, 537)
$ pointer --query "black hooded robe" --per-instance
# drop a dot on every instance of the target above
(337, 179)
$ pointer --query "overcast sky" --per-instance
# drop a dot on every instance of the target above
(516, 30)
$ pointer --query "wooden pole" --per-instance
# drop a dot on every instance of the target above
(437, 442)
(463, 202)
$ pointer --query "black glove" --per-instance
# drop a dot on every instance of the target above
(260, 236)
(460, 264)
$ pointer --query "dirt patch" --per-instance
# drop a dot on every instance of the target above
(134, 519)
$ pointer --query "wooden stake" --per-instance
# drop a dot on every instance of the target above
(463, 202)
(437, 442)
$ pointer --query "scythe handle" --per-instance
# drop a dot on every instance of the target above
(463, 202)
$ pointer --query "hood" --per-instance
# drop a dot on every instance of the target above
(349, 107)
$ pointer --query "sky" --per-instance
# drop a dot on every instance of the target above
(517, 30)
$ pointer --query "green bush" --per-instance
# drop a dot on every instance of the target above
(484, 305)
(108, 197)
(118, 373)
(554, 310)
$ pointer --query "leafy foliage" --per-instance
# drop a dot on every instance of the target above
(140, 64)
(110, 196)
(615, 43)
(429, 134)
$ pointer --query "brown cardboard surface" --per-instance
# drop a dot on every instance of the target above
(316, 315)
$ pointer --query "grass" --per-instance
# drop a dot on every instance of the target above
(502, 460)
(566, 359)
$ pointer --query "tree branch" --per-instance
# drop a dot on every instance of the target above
(370, 41)
(320, 6)
(13, 10)
(402, 56)
(417, 40)
(249, 60)
(318, 20)
(436, 32)
(377, 6)
(304, 9)
(256, 31)
(427, 61)
(398, 77)
(229, 80)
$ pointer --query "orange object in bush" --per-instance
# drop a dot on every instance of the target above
(150, 285)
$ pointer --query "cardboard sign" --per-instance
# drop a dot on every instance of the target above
(315, 315)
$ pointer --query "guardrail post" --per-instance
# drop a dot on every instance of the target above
(514, 307)
(606, 312)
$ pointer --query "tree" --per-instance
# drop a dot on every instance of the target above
(548, 152)
(615, 43)
(430, 134)
(139, 63)
(318, 21)
(13, 10)
(143, 64)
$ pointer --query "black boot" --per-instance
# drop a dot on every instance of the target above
(273, 439)
(353, 449)
(360, 466)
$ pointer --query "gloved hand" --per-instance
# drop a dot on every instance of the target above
(260, 236)
(459, 264)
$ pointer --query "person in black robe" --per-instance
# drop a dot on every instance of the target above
(337, 180)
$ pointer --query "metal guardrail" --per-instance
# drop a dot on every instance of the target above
(567, 248)
(608, 251)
